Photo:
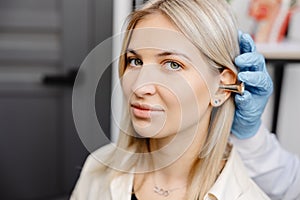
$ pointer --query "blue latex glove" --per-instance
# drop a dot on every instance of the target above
(258, 88)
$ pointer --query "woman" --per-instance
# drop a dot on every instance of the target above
(174, 138)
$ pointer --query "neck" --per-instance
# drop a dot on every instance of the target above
(181, 152)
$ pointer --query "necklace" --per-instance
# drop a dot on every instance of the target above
(164, 192)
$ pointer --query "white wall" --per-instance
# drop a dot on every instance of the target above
(289, 121)
(121, 9)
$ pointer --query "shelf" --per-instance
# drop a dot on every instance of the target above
(284, 51)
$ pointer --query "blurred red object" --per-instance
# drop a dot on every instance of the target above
(272, 18)
(263, 9)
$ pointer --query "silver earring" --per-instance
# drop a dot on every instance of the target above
(217, 102)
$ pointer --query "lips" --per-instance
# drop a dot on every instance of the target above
(145, 111)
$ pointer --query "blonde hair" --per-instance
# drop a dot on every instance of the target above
(210, 26)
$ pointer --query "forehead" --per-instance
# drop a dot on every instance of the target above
(156, 31)
(162, 39)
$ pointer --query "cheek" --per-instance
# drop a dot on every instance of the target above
(172, 101)
(127, 81)
(198, 103)
(203, 87)
(187, 106)
(203, 94)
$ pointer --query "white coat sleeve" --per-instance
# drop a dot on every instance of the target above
(274, 169)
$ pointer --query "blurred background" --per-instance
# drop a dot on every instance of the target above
(43, 43)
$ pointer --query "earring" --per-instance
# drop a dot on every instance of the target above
(216, 102)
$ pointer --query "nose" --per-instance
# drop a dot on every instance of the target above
(147, 89)
(144, 84)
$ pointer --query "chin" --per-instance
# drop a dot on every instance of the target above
(146, 132)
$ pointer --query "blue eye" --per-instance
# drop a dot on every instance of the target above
(134, 62)
(171, 65)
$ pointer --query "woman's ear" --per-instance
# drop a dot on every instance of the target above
(226, 77)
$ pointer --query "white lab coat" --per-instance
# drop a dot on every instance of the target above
(232, 184)
(274, 169)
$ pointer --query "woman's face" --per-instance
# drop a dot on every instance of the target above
(164, 83)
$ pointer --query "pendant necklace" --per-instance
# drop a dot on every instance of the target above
(164, 192)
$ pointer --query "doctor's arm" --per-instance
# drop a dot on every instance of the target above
(274, 169)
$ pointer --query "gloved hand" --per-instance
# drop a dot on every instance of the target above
(258, 88)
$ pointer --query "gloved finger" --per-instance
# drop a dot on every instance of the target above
(247, 103)
(242, 101)
(250, 62)
(246, 43)
(259, 82)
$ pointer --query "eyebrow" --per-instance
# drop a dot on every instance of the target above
(166, 53)
(170, 53)
(133, 52)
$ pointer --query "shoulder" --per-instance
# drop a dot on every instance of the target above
(93, 175)
(98, 159)
(248, 188)
(234, 182)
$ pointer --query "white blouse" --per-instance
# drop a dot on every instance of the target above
(232, 184)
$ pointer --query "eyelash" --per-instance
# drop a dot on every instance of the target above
(129, 60)
(173, 62)
(179, 65)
